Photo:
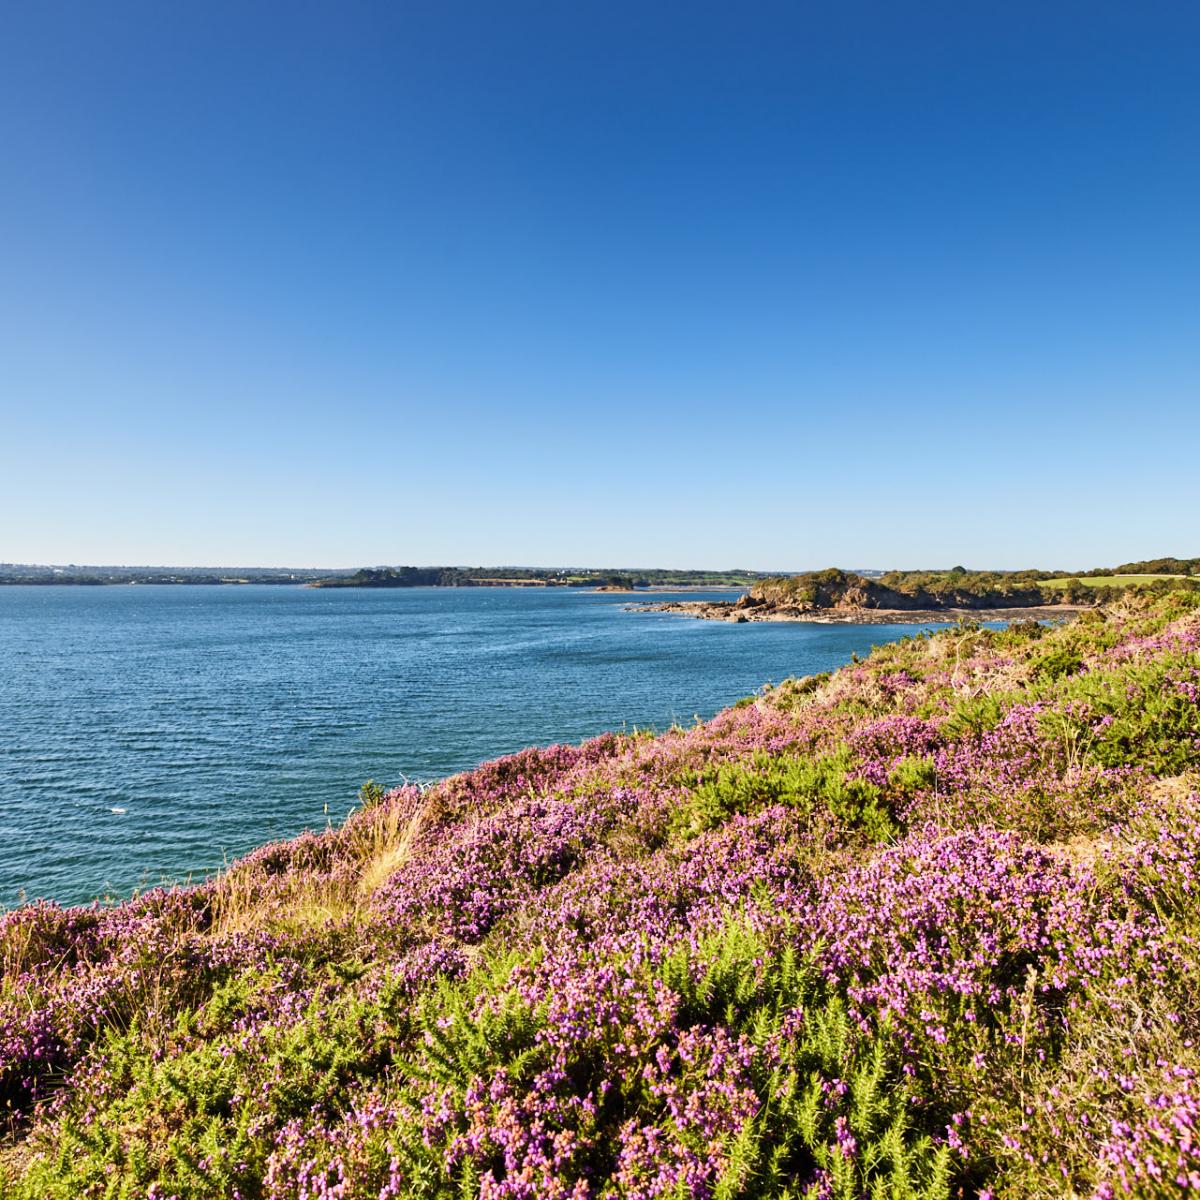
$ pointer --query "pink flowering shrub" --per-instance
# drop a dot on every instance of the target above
(924, 928)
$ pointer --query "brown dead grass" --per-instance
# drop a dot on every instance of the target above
(386, 845)
(16, 1153)
(370, 849)
(1085, 850)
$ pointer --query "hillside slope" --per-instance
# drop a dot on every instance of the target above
(924, 928)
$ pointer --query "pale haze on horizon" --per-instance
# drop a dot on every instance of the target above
(770, 287)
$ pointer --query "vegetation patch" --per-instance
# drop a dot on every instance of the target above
(1112, 581)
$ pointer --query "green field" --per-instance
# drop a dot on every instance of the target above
(1108, 580)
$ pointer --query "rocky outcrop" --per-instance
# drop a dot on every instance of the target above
(844, 597)
(739, 612)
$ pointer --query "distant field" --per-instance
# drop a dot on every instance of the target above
(1109, 580)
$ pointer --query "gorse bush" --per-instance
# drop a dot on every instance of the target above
(922, 928)
(1144, 714)
(1057, 662)
(805, 784)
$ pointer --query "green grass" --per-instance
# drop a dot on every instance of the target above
(1107, 580)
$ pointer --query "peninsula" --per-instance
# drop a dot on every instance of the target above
(920, 597)
(623, 579)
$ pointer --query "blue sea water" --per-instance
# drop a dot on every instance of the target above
(149, 734)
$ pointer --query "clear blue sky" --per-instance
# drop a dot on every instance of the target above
(611, 283)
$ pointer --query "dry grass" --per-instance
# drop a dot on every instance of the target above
(15, 945)
(1086, 850)
(14, 1158)
(1108, 580)
(386, 843)
(1176, 787)
(242, 902)
(369, 849)
(1083, 851)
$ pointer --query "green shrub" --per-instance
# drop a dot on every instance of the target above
(1137, 715)
(973, 716)
(912, 775)
(821, 1082)
(370, 794)
(800, 782)
(1059, 661)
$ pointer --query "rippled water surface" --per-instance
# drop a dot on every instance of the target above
(149, 733)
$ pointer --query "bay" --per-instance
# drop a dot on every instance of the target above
(150, 734)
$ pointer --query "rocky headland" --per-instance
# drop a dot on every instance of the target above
(738, 613)
(842, 597)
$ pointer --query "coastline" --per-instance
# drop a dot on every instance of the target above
(724, 610)
(820, 820)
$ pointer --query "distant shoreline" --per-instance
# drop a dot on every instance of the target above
(671, 588)
(527, 585)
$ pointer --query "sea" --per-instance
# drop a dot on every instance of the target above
(151, 734)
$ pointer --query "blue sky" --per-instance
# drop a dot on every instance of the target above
(715, 285)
